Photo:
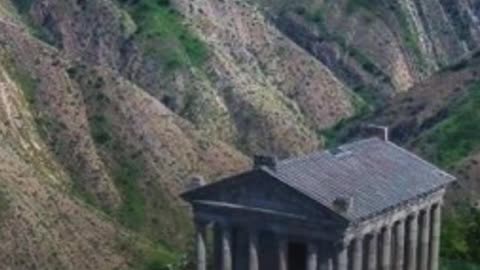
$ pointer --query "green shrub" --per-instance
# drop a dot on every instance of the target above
(457, 136)
(461, 239)
(132, 211)
(23, 78)
(100, 129)
(457, 265)
(164, 37)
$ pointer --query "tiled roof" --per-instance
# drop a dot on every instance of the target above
(376, 174)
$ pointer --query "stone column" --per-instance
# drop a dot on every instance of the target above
(412, 242)
(425, 239)
(399, 245)
(312, 256)
(252, 249)
(282, 254)
(358, 254)
(201, 248)
(372, 251)
(326, 258)
(436, 224)
(386, 249)
(330, 264)
(342, 256)
(226, 247)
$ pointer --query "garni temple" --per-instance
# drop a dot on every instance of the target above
(366, 205)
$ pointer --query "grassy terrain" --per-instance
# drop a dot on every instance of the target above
(410, 38)
(132, 212)
(151, 257)
(127, 173)
(461, 239)
(164, 36)
(24, 80)
(457, 136)
(458, 265)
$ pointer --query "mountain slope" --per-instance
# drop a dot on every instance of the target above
(109, 108)
(206, 86)
(115, 146)
(42, 225)
(380, 47)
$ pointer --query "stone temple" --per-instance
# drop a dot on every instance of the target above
(366, 205)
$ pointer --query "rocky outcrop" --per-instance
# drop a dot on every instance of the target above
(278, 83)
(399, 42)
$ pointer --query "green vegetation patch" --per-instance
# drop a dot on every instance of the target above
(4, 204)
(132, 211)
(126, 172)
(457, 265)
(149, 256)
(163, 35)
(461, 239)
(458, 136)
(22, 77)
(410, 38)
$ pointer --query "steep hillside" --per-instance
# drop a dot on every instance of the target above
(113, 138)
(204, 76)
(381, 46)
(43, 225)
(110, 107)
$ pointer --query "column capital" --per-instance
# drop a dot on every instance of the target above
(201, 222)
(359, 236)
(343, 243)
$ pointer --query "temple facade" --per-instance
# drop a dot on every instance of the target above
(367, 205)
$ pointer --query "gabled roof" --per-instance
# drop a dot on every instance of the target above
(375, 174)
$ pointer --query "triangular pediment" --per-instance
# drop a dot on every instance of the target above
(258, 189)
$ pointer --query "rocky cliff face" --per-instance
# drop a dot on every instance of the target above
(385, 45)
(250, 68)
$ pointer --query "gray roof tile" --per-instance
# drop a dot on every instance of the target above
(376, 174)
